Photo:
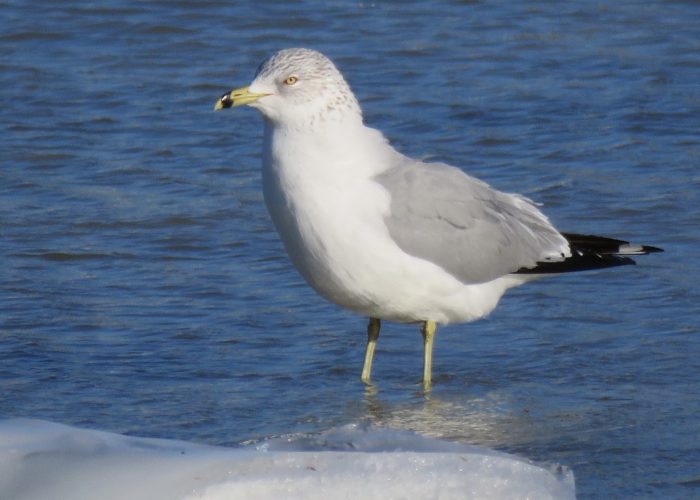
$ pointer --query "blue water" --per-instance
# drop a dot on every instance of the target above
(143, 289)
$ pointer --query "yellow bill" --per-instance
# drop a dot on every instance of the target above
(237, 97)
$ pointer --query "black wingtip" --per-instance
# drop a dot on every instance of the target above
(576, 263)
(590, 252)
(588, 243)
(650, 249)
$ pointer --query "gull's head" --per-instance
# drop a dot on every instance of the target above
(296, 87)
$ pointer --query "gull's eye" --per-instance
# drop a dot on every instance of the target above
(291, 80)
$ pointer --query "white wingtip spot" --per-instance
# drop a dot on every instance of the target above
(631, 250)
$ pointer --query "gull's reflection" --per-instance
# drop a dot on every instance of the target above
(487, 420)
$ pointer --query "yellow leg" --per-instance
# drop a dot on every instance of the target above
(372, 336)
(428, 330)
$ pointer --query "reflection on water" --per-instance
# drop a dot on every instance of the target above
(468, 421)
(479, 420)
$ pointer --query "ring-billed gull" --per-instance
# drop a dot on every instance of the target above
(388, 236)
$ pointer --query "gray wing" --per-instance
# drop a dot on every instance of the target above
(460, 223)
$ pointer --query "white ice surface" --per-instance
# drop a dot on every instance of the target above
(44, 460)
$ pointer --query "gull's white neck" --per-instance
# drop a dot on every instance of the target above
(332, 151)
(322, 198)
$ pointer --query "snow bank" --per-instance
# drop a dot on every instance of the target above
(40, 460)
